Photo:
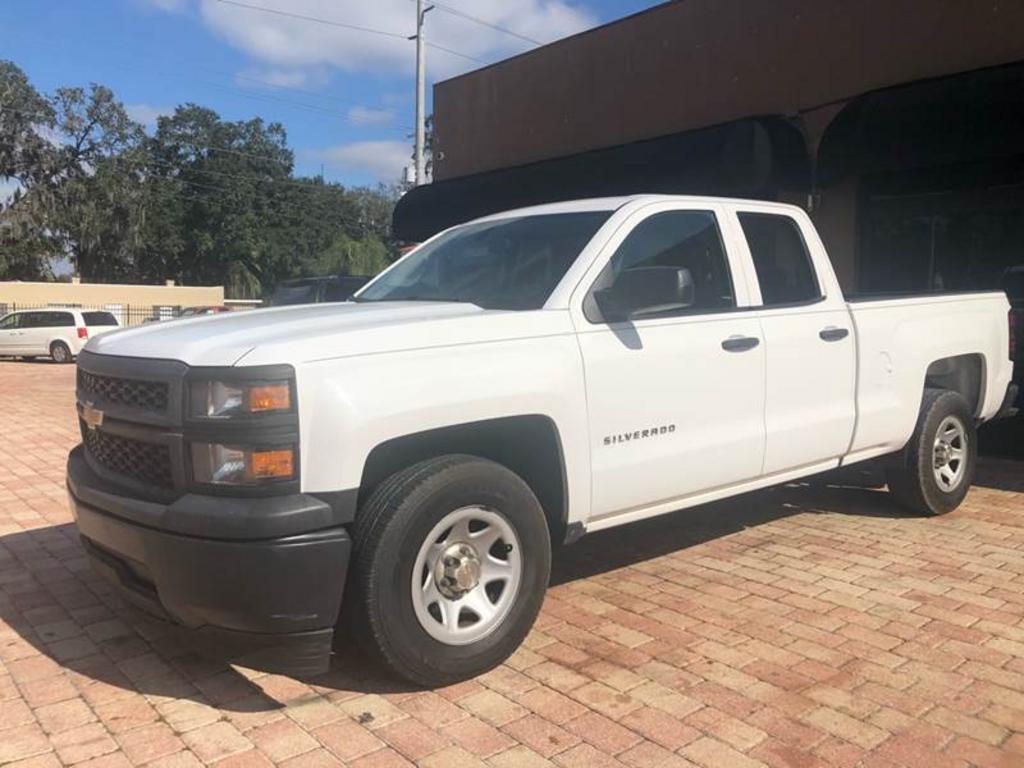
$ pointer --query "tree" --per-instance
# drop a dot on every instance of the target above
(202, 201)
(25, 156)
(24, 152)
(76, 157)
(96, 186)
(223, 187)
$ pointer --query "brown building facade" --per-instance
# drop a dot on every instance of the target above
(898, 123)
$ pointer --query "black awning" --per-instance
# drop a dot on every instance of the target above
(751, 158)
(974, 117)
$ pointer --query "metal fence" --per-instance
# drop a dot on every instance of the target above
(126, 314)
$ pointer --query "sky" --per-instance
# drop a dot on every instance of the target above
(344, 95)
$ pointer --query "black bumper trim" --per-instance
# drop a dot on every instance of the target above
(270, 603)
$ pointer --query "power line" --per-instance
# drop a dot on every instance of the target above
(303, 185)
(306, 186)
(329, 22)
(266, 97)
(345, 25)
(327, 188)
(316, 108)
(301, 212)
(483, 22)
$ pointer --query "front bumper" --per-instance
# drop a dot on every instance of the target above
(267, 601)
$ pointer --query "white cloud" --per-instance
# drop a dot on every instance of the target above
(370, 116)
(279, 78)
(383, 160)
(293, 44)
(147, 113)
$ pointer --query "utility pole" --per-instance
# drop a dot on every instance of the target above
(419, 162)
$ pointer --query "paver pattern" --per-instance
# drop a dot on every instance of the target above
(805, 626)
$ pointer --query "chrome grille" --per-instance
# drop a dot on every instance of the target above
(136, 393)
(134, 459)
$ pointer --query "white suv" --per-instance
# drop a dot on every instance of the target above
(57, 333)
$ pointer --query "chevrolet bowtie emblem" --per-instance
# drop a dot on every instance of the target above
(93, 417)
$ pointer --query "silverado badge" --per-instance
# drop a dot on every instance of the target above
(93, 417)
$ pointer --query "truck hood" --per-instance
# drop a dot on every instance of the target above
(299, 334)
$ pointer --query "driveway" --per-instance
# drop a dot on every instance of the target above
(812, 625)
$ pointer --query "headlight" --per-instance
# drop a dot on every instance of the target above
(223, 400)
(219, 464)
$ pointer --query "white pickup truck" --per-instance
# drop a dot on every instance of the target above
(514, 382)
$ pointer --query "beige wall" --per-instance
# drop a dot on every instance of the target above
(96, 294)
(100, 295)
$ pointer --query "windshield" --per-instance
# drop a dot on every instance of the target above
(503, 264)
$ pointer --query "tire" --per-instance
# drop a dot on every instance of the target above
(392, 539)
(917, 481)
(60, 352)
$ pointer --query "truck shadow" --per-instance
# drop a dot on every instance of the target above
(1001, 476)
(59, 614)
(859, 494)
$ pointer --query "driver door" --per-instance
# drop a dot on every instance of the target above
(675, 398)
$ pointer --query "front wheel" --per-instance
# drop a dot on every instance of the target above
(936, 468)
(452, 558)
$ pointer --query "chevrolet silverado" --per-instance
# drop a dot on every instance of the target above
(411, 456)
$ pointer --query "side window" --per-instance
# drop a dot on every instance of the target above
(9, 323)
(32, 320)
(671, 262)
(784, 268)
(94, 319)
(58, 319)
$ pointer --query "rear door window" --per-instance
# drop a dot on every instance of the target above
(58, 319)
(94, 319)
(781, 259)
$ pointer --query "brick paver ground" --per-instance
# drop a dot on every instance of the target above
(804, 626)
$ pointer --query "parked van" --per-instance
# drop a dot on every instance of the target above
(56, 333)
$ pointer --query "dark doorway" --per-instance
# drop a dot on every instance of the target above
(953, 239)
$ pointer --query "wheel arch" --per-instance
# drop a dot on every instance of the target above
(529, 445)
(964, 374)
(59, 340)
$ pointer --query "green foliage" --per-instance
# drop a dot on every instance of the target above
(202, 201)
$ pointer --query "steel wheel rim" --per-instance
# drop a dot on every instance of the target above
(59, 354)
(949, 454)
(449, 608)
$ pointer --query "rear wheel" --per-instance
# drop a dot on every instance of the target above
(60, 352)
(452, 558)
(936, 468)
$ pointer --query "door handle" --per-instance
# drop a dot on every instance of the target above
(740, 343)
(832, 333)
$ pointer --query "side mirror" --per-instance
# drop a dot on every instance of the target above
(646, 291)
